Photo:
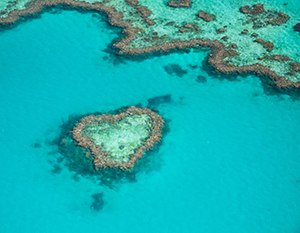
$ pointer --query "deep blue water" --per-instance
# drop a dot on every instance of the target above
(230, 163)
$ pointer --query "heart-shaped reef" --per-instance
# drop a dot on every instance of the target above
(119, 141)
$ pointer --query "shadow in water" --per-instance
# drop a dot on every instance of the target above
(201, 79)
(98, 202)
(155, 102)
(36, 145)
(175, 69)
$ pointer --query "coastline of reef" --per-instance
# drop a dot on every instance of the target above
(218, 50)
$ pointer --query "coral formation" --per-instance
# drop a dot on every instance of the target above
(206, 16)
(281, 18)
(277, 58)
(254, 10)
(132, 2)
(119, 141)
(266, 44)
(179, 3)
(140, 38)
(297, 27)
(261, 18)
(295, 66)
(143, 11)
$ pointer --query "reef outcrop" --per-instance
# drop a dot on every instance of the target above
(119, 141)
(261, 18)
(144, 11)
(179, 3)
(189, 25)
(254, 10)
(206, 16)
(277, 58)
(297, 27)
(266, 44)
(132, 2)
(150, 22)
(221, 30)
(281, 18)
(295, 66)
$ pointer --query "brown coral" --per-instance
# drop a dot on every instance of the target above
(179, 3)
(206, 16)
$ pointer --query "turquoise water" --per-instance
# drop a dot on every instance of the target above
(230, 162)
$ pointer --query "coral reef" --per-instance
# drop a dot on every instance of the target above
(295, 66)
(254, 10)
(266, 44)
(132, 2)
(261, 18)
(143, 11)
(139, 39)
(221, 30)
(281, 18)
(80, 161)
(297, 27)
(102, 136)
(277, 58)
(206, 16)
(179, 3)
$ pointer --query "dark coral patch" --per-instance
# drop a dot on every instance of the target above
(158, 100)
(297, 27)
(98, 202)
(175, 69)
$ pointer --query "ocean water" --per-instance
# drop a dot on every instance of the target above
(230, 162)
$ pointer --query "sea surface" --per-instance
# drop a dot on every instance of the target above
(230, 161)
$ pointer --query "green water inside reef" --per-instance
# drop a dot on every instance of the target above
(122, 138)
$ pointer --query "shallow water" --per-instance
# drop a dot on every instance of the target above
(230, 162)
